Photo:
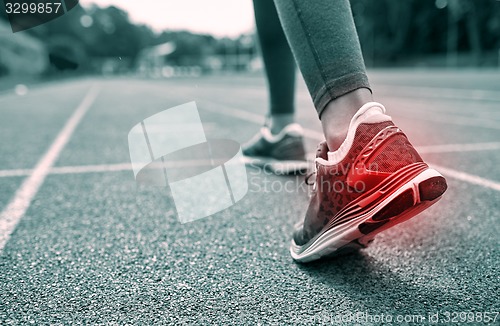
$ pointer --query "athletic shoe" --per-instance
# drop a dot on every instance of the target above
(282, 153)
(375, 180)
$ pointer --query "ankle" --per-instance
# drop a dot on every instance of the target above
(337, 116)
(277, 122)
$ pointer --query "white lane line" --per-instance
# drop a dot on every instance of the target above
(450, 148)
(15, 173)
(462, 176)
(438, 92)
(237, 113)
(21, 201)
(91, 168)
(70, 170)
(79, 169)
(469, 178)
(253, 117)
(439, 118)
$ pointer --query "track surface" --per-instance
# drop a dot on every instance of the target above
(93, 247)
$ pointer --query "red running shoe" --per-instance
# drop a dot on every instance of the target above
(375, 180)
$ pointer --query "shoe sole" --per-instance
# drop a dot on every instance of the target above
(278, 167)
(399, 198)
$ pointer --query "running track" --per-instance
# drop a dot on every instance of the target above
(82, 243)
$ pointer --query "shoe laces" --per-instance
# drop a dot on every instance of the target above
(308, 178)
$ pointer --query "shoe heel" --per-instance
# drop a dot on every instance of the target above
(432, 188)
(405, 206)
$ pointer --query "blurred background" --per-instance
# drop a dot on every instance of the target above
(192, 38)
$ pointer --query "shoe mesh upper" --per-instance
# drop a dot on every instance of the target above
(364, 134)
(396, 154)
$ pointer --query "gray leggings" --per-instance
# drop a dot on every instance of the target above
(324, 43)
